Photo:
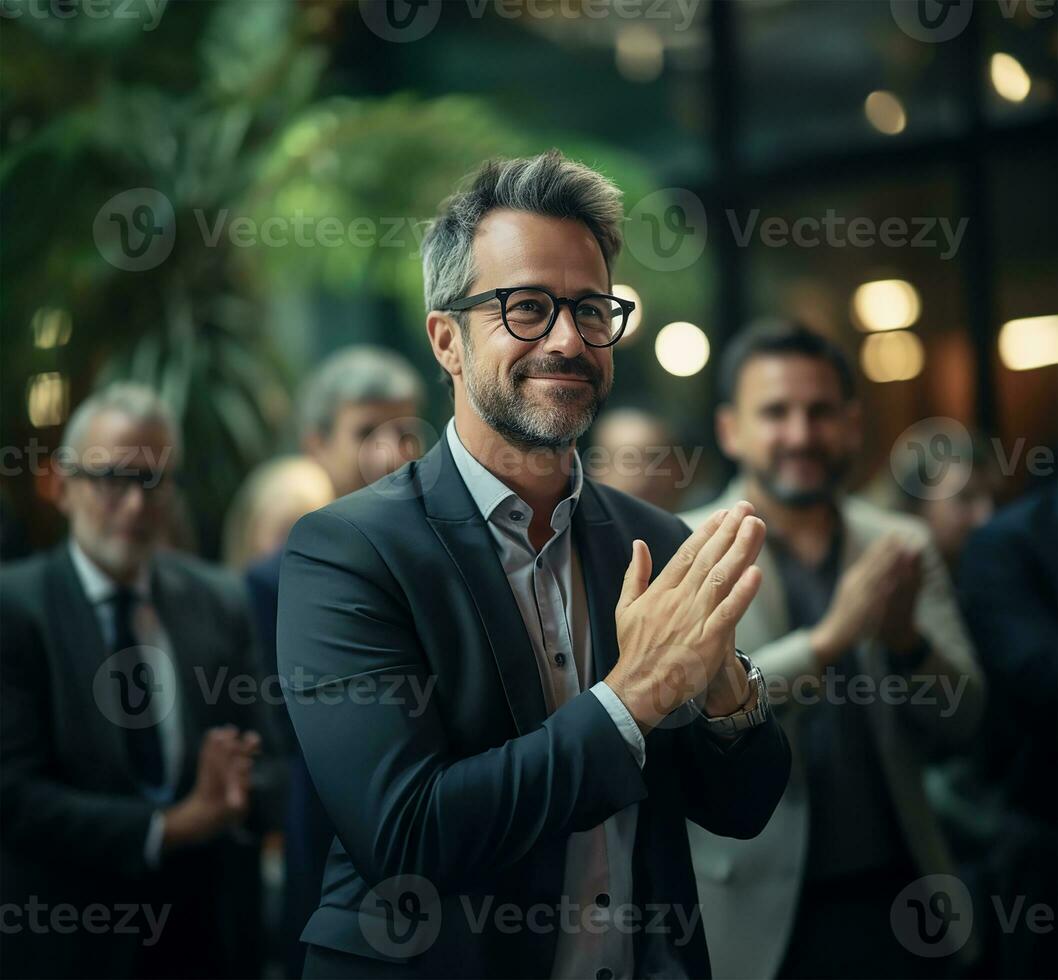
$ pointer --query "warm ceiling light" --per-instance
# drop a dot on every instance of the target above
(1009, 79)
(51, 328)
(1031, 342)
(886, 304)
(885, 112)
(47, 397)
(897, 356)
(627, 292)
(640, 53)
(682, 348)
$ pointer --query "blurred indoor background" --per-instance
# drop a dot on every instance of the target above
(714, 117)
(211, 197)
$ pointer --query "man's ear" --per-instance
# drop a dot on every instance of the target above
(727, 430)
(445, 341)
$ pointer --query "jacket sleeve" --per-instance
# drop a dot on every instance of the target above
(1011, 613)
(732, 791)
(39, 813)
(401, 800)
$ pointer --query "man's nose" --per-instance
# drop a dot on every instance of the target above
(564, 337)
(798, 429)
(133, 500)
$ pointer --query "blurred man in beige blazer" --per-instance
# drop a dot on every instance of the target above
(857, 629)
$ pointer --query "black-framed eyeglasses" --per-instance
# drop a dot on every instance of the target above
(529, 313)
(113, 482)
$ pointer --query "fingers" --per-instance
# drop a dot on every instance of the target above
(717, 546)
(725, 573)
(732, 607)
(251, 742)
(637, 575)
(673, 573)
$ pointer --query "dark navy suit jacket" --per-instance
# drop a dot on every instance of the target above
(476, 793)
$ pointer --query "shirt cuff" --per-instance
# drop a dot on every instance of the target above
(625, 723)
(152, 847)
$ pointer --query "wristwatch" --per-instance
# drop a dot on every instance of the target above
(744, 719)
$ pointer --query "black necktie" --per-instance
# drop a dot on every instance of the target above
(138, 680)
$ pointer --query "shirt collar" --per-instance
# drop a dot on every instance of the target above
(98, 586)
(489, 492)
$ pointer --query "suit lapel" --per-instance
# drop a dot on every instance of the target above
(79, 638)
(458, 524)
(603, 559)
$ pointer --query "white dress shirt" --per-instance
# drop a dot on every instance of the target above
(549, 589)
(100, 588)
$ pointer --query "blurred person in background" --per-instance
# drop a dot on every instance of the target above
(638, 457)
(1009, 586)
(269, 502)
(963, 500)
(853, 598)
(132, 777)
(358, 414)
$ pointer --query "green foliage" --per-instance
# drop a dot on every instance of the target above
(220, 107)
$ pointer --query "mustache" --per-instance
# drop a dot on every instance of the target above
(577, 367)
(818, 455)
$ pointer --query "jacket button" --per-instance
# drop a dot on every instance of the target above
(602, 900)
(604, 974)
(560, 659)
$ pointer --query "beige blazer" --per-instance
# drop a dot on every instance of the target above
(749, 889)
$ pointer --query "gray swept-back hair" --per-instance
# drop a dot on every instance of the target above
(359, 373)
(547, 184)
(138, 401)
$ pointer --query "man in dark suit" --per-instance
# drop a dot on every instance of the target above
(129, 729)
(1009, 586)
(506, 737)
(356, 412)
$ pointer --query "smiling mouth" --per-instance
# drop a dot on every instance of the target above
(561, 378)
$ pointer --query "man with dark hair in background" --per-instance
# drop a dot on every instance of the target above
(854, 620)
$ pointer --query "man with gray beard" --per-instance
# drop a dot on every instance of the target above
(515, 825)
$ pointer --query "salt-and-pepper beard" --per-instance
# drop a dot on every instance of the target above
(526, 425)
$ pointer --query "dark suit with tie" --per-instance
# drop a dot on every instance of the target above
(73, 817)
(475, 792)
